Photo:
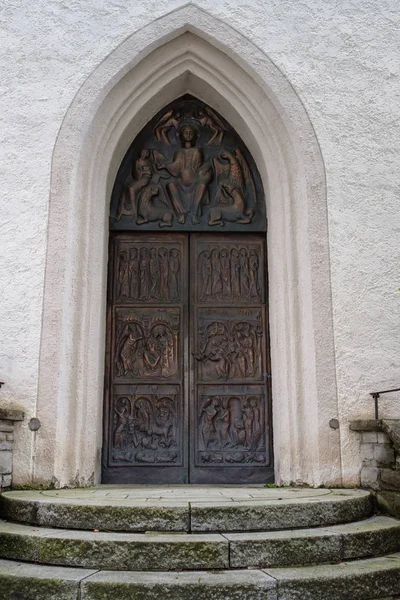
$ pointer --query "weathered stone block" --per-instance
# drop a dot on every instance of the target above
(222, 585)
(340, 506)
(11, 414)
(367, 579)
(9, 437)
(35, 508)
(366, 425)
(280, 548)
(384, 454)
(389, 502)
(372, 537)
(390, 479)
(369, 437)
(383, 438)
(6, 481)
(5, 463)
(20, 581)
(6, 426)
(6, 446)
(367, 451)
(370, 477)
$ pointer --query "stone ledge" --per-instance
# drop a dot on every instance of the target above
(366, 425)
(11, 414)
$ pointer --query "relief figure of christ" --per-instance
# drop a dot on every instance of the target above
(192, 176)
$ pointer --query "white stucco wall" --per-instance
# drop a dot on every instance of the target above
(343, 61)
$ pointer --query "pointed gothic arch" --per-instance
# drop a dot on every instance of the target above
(187, 51)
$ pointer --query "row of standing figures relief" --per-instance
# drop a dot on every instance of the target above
(230, 274)
(227, 422)
(187, 189)
(149, 274)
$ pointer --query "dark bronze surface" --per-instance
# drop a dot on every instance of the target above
(186, 394)
(145, 400)
(188, 170)
(230, 409)
(187, 386)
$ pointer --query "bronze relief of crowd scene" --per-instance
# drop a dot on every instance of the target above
(231, 429)
(187, 168)
(149, 274)
(230, 350)
(145, 429)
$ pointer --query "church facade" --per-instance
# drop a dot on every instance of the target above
(199, 243)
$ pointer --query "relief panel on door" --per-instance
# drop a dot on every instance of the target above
(147, 343)
(149, 272)
(231, 426)
(229, 344)
(231, 272)
(146, 428)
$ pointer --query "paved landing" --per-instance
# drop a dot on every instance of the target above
(185, 493)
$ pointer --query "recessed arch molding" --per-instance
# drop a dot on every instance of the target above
(187, 52)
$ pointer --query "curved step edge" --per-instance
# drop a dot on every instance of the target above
(359, 580)
(163, 552)
(337, 507)
(373, 578)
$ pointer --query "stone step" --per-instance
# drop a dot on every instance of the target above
(369, 579)
(185, 551)
(216, 509)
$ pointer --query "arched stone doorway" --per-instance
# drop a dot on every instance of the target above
(186, 51)
(187, 395)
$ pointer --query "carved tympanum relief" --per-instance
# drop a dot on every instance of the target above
(145, 428)
(190, 170)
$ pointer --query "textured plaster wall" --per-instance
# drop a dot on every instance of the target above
(342, 59)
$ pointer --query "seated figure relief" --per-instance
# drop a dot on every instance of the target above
(188, 169)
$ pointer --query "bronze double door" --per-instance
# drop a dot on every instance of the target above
(187, 369)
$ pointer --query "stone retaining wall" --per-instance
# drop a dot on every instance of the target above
(7, 419)
(380, 452)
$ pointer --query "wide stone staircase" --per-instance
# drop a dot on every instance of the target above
(196, 542)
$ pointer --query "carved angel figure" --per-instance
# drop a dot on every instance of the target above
(141, 174)
(168, 121)
(231, 191)
(208, 118)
